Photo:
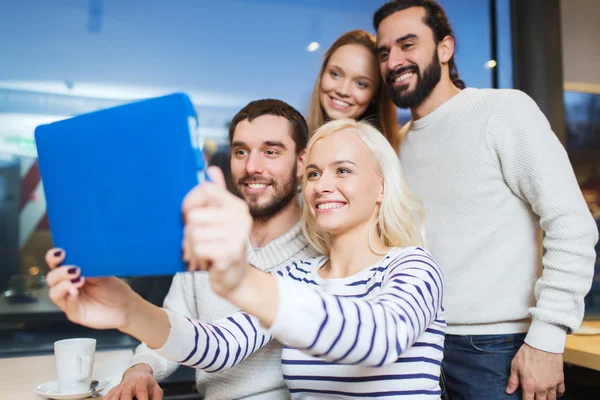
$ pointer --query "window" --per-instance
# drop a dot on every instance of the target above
(64, 58)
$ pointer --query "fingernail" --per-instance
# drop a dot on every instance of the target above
(58, 253)
(72, 270)
(76, 279)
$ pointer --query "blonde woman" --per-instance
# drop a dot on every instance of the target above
(349, 85)
(365, 319)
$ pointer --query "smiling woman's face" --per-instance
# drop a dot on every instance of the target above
(349, 82)
(342, 187)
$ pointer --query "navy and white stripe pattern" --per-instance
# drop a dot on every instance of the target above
(378, 333)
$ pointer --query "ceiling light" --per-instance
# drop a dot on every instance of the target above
(313, 46)
(491, 64)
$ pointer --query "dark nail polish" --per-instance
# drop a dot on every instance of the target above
(76, 280)
(57, 253)
(72, 270)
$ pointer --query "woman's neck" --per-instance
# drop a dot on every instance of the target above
(350, 252)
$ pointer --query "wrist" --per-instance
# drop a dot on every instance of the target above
(258, 295)
(147, 323)
(244, 290)
(142, 367)
(135, 308)
(546, 337)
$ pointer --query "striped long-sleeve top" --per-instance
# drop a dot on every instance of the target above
(378, 333)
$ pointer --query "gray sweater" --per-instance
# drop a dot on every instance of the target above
(491, 173)
(259, 377)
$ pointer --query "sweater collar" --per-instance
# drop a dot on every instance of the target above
(442, 110)
(279, 250)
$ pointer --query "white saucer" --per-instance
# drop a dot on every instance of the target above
(49, 389)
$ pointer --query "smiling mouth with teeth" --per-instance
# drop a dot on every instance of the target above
(330, 206)
(257, 185)
(398, 78)
(340, 103)
(404, 76)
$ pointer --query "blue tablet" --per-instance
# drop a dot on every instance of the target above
(114, 182)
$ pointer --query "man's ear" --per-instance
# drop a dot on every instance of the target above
(445, 49)
(301, 164)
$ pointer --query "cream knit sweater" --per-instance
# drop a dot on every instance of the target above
(491, 172)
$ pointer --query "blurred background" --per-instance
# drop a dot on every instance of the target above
(61, 58)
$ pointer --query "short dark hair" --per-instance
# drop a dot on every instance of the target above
(278, 108)
(435, 18)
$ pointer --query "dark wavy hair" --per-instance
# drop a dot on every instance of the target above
(435, 18)
(278, 108)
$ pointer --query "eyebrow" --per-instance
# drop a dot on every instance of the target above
(270, 143)
(397, 41)
(337, 162)
(274, 143)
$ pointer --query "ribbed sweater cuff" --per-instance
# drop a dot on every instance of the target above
(179, 345)
(154, 361)
(546, 337)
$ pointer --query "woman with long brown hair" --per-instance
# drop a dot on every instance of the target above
(349, 85)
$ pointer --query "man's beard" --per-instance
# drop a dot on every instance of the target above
(425, 84)
(264, 210)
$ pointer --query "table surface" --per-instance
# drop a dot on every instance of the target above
(21, 375)
(43, 305)
(584, 350)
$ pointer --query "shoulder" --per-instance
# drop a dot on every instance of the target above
(308, 252)
(501, 97)
(412, 258)
(516, 117)
(479, 95)
(301, 268)
(185, 278)
(513, 100)
(400, 253)
(187, 284)
(514, 96)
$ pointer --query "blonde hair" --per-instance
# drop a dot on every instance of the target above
(382, 113)
(400, 221)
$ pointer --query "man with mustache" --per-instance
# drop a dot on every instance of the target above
(268, 139)
(491, 173)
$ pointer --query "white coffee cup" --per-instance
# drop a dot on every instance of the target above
(74, 364)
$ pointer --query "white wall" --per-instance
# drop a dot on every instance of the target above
(581, 41)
